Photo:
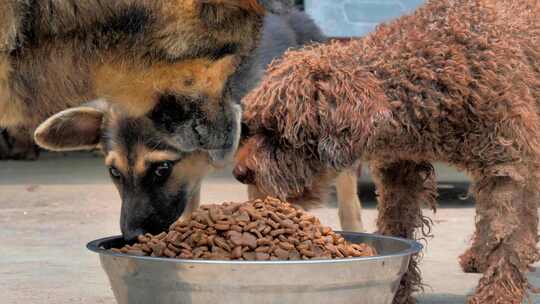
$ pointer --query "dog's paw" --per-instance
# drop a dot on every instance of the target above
(502, 283)
(470, 263)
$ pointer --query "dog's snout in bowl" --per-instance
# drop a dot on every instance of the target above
(244, 174)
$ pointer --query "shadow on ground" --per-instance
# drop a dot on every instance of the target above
(442, 299)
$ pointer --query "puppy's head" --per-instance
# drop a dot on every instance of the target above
(158, 180)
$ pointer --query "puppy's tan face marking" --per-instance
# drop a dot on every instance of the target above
(145, 157)
(191, 169)
(118, 161)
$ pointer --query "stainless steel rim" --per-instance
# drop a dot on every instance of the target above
(413, 248)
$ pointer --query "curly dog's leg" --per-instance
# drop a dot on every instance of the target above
(402, 188)
(506, 232)
(470, 261)
(350, 207)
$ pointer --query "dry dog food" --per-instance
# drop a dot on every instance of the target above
(253, 231)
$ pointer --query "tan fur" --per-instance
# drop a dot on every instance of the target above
(55, 78)
(10, 107)
(184, 28)
(139, 168)
(135, 87)
(160, 156)
(147, 156)
(191, 169)
(10, 24)
(249, 5)
(117, 160)
(180, 30)
(191, 206)
(349, 205)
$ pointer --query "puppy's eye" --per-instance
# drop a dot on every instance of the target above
(114, 172)
(163, 169)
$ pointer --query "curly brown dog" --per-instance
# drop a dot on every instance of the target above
(458, 82)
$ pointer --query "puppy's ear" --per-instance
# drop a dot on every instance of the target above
(70, 130)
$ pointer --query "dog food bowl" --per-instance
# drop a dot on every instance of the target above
(371, 280)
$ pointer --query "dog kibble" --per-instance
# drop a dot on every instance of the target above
(259, 230)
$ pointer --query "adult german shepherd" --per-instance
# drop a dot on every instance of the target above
(155, 84)
(57, 54)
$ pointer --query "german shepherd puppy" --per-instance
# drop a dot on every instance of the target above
(164, 84)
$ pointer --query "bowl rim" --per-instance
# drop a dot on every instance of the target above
(414, 247)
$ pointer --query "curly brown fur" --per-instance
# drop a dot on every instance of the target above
(403, 188)
(457, 82)
(506, 233)
(281, 165)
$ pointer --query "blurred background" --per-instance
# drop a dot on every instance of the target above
(353, 18)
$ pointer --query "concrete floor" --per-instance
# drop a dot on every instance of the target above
(50, 209)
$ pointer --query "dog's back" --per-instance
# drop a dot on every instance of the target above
(292, 29)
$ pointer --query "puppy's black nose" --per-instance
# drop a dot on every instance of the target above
(244, 175)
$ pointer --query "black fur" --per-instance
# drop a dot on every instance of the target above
(148, 207)
(227, 49)
(131, 21)
(183, 118)
(173, 111)
(131, 132)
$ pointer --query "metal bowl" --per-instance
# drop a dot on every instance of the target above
(372, 280)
